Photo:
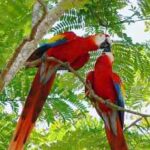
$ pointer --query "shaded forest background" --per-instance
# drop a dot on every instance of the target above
(65, 122)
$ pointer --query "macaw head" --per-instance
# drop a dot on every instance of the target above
(104, 42)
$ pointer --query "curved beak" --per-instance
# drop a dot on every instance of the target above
(106, 45)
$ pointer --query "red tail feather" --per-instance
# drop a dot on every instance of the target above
(117, 142)
(31, 111)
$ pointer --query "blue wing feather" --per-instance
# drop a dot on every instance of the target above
(44, 47)
(120, 101)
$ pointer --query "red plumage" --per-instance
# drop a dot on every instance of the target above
(34, 103)
(68, 48)
(106, 84)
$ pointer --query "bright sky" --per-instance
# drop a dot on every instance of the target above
(135, 30)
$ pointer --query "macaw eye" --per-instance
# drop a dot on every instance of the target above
(107, 35)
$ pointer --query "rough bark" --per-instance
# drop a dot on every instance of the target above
(36, 14)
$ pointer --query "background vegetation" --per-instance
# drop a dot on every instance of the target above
(65, 122)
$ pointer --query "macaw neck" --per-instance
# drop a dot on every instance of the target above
(104, 62)
(110, 56)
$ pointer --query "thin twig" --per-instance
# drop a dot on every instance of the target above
(91, 92)
(133, 123)
(141, 129)
(132, 20)
(147, 122)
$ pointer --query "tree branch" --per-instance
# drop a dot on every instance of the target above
(132, 20)
(28, 45)
(91, 92)
(133, 123)
(143, 132)
(36, 14)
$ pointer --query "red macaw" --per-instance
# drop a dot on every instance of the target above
(67, 47)
(107, 84)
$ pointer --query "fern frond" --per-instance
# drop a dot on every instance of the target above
(70, 20)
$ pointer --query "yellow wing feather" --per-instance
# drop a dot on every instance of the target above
(123, 89)
(56, 38)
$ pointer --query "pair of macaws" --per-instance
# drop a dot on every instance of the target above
(73, 49)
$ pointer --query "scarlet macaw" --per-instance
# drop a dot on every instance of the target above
(67, 47)
(108, 85)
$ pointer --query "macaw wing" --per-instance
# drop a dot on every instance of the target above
(89, 81)
(120, 93)
(53, 42)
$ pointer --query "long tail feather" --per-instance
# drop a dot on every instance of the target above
(31, 111)
(117, 142)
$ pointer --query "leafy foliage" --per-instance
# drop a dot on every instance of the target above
(99, 14)
(70, 20)
(84, 133)
(66, 107)
(67, 102)
(145, 8)
(6, 125)
(93, 21)
(15, 24)
(131, 62)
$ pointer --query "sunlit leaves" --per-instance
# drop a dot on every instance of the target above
(66, 107)
(145, 7)
(6, 124)
(132, 63)
(70, 20)
(15, 24)
(84, 133)
(99, 14)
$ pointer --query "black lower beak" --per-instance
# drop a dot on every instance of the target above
(106, 46)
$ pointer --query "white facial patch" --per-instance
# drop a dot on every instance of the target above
(110, 55)
(109, 40)
(99, 39)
